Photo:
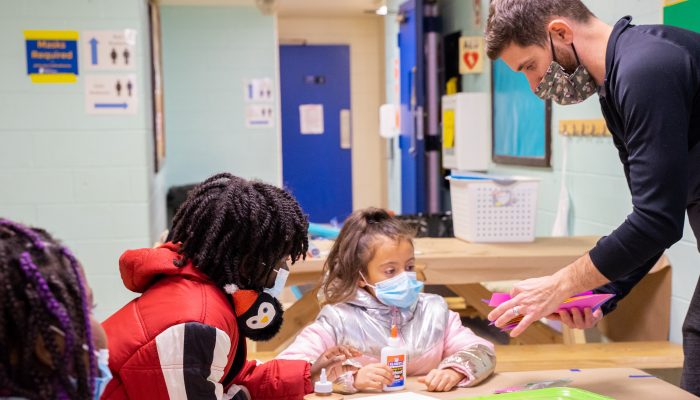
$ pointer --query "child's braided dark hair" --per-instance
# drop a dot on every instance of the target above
(237, 231)
(44, 305)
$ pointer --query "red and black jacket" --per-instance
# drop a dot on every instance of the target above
(179, 339)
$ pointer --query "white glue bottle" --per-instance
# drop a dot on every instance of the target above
(323, 389)
(394, 356)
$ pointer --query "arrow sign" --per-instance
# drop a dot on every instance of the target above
(110, 94)
(111, 105)
(93, 50)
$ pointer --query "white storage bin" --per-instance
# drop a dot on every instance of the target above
(487, 208)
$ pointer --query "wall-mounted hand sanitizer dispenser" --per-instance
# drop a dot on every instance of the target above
(389, 121)
(466, 131)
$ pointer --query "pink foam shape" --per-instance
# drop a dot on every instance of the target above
(581, 301)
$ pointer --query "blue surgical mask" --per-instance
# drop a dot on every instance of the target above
(104, 373)
(400, 291)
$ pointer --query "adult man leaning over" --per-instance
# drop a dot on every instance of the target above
(648, 80)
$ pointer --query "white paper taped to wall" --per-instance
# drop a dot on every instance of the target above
(311, 119)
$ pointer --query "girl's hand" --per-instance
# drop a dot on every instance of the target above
(373, 377)
(332, 360)
(441, 380)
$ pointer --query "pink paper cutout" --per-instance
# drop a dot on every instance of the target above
(580, 301)
(583, 300)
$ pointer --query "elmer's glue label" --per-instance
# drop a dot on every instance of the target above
(394, 356)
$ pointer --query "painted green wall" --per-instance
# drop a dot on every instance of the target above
(87, 179)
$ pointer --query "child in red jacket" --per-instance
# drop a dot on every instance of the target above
(212, 284)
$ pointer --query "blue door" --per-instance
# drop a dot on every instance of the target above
(316, 160)
(411, 142)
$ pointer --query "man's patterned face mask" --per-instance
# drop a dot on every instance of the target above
(565, 88)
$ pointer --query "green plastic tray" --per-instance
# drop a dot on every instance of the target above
(559, 393)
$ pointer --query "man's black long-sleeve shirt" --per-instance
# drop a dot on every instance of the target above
(651, 103)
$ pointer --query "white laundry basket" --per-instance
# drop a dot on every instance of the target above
(487, 208)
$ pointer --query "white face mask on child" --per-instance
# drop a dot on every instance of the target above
(280, 281)
(399, 291)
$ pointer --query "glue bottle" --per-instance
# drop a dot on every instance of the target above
(394, 356)
(323, 389)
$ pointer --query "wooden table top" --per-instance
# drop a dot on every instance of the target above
(454, 261)
(617, 383)
(531, 357)
(647, 355)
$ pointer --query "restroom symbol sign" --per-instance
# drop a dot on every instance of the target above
(258, 90)
(109, 50)
(111, 94)
(259, 116)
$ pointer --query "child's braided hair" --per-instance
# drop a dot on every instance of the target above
(44, 305)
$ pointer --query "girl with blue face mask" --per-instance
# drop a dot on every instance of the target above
(370, 284)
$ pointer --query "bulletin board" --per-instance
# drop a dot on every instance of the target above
(521, 120)
(683, 13)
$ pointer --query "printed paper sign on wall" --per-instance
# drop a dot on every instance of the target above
(52, 56)
(111, 94)
(259, 89)
(311, 119)
(471, 55)
(259, 116)
(110, 50)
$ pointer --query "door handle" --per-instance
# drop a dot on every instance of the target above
(419, 123)
(345, 130)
